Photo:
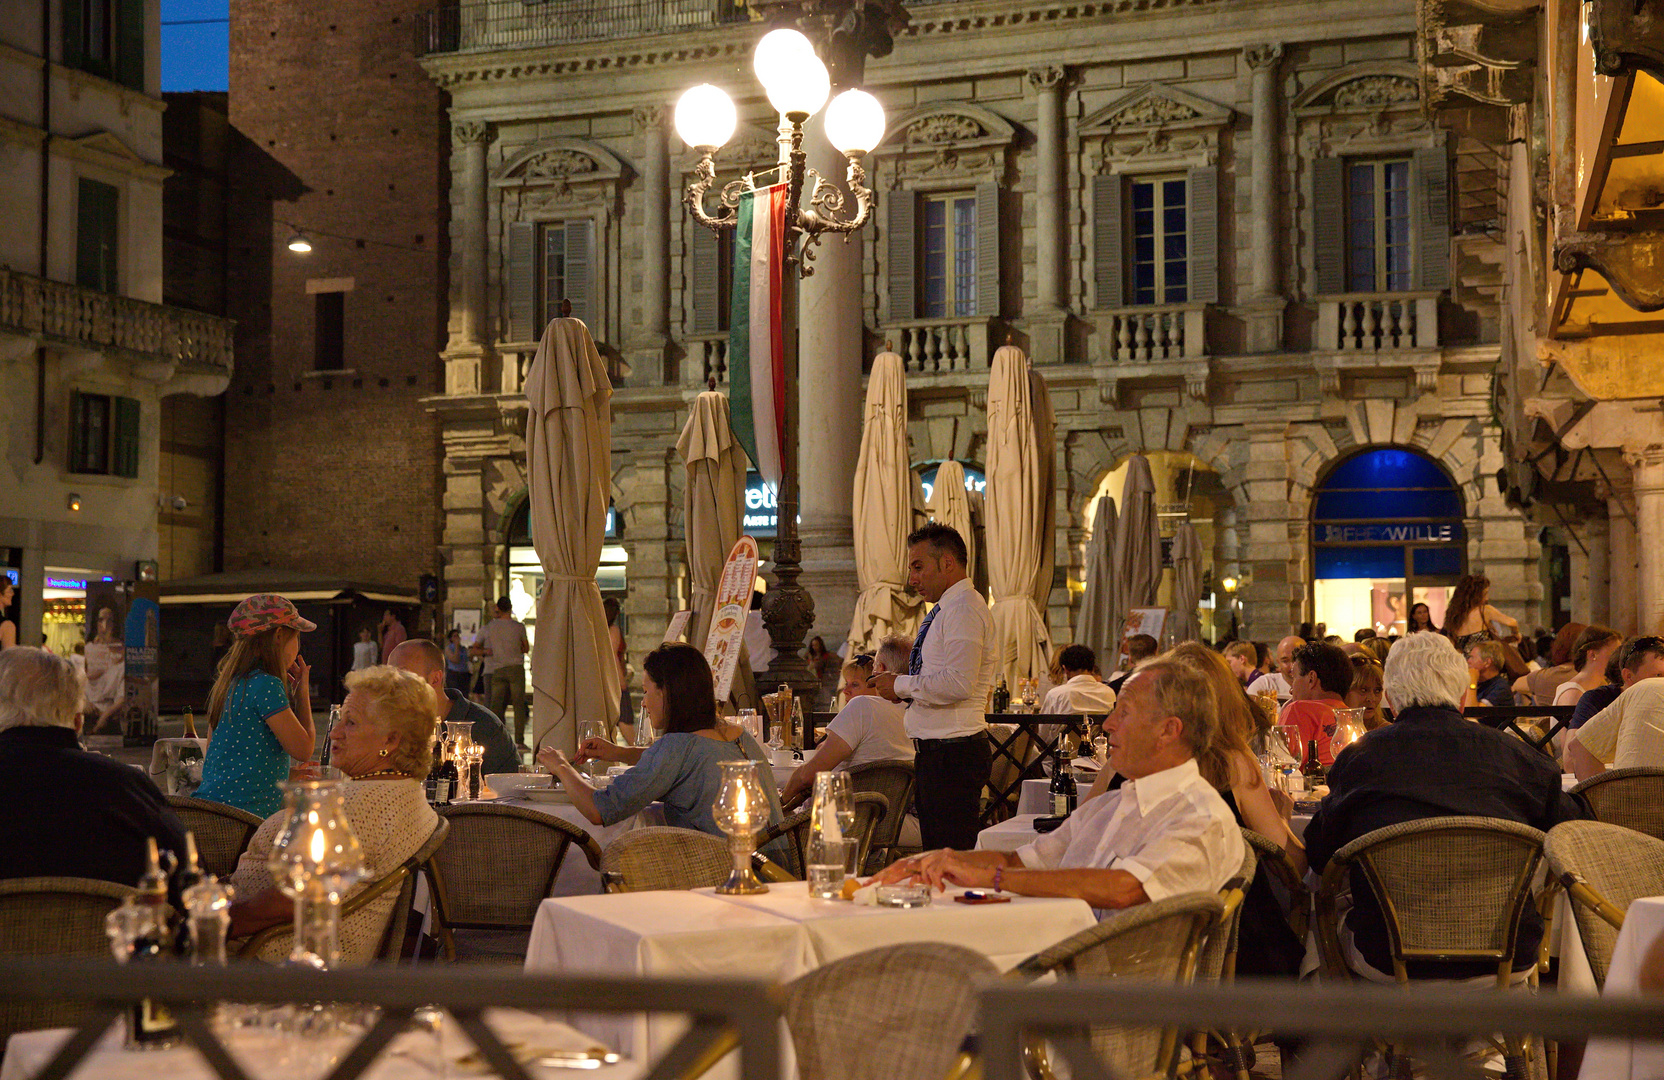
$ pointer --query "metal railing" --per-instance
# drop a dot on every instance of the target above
(490, 25)
(1342, 1025)
(720, 1011)
(98, 321)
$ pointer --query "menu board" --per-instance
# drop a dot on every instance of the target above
(733, 600)
(678, 625)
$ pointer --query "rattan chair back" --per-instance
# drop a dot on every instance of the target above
(1219, 954)
(1617, 864)
(894, 780)
(1287, 883)
(53, 916)
(499, 863)
(1449, 888)
(1633, 798)
(222, 832)
(1157, 942)
(871, 809)
(661, 857)
(899, 1011)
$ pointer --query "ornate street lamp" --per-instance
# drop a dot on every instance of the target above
(797, 84)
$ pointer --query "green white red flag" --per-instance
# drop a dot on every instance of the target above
(756, 338)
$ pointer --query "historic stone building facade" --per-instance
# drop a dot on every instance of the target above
(1226, 233)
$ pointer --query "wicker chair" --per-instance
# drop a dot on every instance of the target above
(53, 916)
(1217, 962)
(222, 832)
(1286, 881)
(1603, 867)
(871, 809)
(899, 1011)
(1449, 889)
(497, 866)
(1159, 942)
(660, 857)
(894, 780)
(1633, 798)
(273, 942)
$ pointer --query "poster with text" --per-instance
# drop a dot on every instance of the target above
(733, 600)
(106, 652)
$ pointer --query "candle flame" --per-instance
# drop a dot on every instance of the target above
(318, 846)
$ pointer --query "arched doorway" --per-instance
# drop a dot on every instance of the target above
(1387, 533)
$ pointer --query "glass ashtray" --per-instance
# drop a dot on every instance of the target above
(903, 896)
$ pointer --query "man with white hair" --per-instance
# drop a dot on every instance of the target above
(868, 728)
(1430, 762)
(71, 813)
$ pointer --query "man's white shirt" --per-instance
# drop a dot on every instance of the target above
(1272, 680)
(948, 698)
(1630, 731)
(1170, 830)
(874, 730)
(1084, 693)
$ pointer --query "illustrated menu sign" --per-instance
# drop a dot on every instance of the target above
(733, 600)
(678, 625)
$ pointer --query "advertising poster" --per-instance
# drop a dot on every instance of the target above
(733, 601)
(141, 638)
(105, 632)
(678, 625)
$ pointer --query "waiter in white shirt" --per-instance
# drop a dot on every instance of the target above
(946, 690)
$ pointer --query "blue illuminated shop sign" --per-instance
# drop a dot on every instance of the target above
(1384, 533)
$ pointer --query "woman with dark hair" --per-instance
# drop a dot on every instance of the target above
(1593, 648)
(1421, 618)
(1470, 613)
(1542, 684)
(682, 767)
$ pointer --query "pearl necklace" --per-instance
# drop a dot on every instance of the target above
(383, 772)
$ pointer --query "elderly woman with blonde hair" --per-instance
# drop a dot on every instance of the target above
(383, 744)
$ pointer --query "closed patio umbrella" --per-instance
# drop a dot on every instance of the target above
(883, 512)
(950, 505)
(1187, 584)
(1099, 624)
(1137, 540)
(569, 475)
(1020, 501)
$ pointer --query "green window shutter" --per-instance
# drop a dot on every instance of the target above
(705, 280)
(1108, 248)
(126, 438)
(988, 250)
(1432, 173)
(1204, 235)
(520, 281)
(73, 27)
(130, 36)
(79, 450)
(97, 229)
(901, 255)
(580, 272)
(1329, 224)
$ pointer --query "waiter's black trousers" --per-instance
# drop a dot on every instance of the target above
(951, 774)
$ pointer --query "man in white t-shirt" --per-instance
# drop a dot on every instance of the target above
(1280, 681)
(1081, 690)
(866, 729)
(1627, 733)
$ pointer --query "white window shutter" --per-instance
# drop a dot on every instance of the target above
(1203, 197)
(580, 272)
(705, 280)
(1329, 224)
(988, 250)
(901, 254)
(521, 281)
(1432, 173)
(1109, 250)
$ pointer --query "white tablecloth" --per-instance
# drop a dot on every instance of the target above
(1008, 835)
(1622, 1059)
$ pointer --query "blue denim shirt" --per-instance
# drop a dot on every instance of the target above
(683, 771)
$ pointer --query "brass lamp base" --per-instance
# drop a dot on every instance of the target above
(742, 879)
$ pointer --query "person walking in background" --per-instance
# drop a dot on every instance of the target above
(1470, 612)
(363, 651)
(392, 634)
(504, 645)
(457, 664)
(951, 672)
(1421, 618)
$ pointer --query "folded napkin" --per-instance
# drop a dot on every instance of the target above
(867, 895)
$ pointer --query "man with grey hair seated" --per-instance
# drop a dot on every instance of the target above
(1430, 762)
(71, 813)
(868, 728)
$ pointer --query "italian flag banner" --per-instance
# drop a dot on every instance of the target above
(756, 339)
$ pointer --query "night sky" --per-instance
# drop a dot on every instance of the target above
(195, 53)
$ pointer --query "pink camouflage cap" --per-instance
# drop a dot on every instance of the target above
(263, 611)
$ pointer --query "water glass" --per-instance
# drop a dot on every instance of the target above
(827, 860)
(1100, 749)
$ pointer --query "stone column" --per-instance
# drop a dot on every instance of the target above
(1647, 464)
(653, 333)
(1596, 536)
(474, 138)
(831, 399)
(1621, 544)
(1051, 310)
(1264, 314)
(1274, 598)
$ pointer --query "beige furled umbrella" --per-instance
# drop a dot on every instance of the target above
(1187, 584)
(951, 505)
(569, 475)
(1137, 540)
(1099, 624)
(1020, 502)
(884, 494)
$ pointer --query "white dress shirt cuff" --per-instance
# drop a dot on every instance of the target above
(904, 687)
(1143, 874)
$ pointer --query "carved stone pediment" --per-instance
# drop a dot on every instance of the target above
(1156, 106)
(1363, 88)
(560, 163)
(944, 125)
(752, 148)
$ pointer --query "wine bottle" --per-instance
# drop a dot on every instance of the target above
(439, 785)
(190, 875)
(334, 716)
(1002, 697)
(150, 1021)
(1312, 769)
(190, 725)
(1063, 790)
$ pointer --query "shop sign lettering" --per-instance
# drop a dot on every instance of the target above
(1443, 533)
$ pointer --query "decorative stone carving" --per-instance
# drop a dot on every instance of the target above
(1152, 112)
(1047, 78)
(1374, 91)
(1260, 57)
(558, 164)
(944, 128)
(470, 131)
(1627, 260)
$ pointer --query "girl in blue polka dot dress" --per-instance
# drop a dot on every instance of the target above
(256, 730)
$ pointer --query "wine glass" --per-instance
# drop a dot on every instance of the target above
(1292, 741)
(592, 729)
(1031, 694)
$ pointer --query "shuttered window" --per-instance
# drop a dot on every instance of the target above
(900, 251)
(1160, 240)
(1381, 224)
(97, 235)
(104, 435)
(948, 256)
(106, 38)
(1108, 252)
(711, 276)
(549, 262)
(1378, 251)
(1156, 238)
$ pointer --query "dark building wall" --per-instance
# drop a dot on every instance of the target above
(335, 473)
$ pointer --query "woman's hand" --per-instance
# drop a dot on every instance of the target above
(300, 672)
(597, 749)
(552, 759)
